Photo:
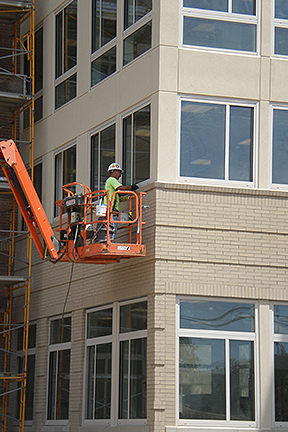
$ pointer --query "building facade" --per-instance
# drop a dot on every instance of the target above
(190, 97)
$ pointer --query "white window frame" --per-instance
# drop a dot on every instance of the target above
(115, 338)
(59, 189)
(221, 16)
(127, 113)
(225, 182)
(104, 48)
(98, 131)
(65, 75)
(227, 336)
(52, 348)
(277, 186)
(30, 352)
(276, 337)
(132, 29)
(280, 23)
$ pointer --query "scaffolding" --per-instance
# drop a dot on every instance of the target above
(16, 96)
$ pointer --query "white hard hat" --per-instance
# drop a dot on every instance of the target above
(114, 166)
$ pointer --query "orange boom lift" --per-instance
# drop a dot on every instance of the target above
(84, 237)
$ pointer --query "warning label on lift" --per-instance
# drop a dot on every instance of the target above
(123, 248)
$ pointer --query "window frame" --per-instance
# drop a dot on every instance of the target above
(276, 337)
(226, 336)
(125, 114)
(222, 16)
(278, 23)
(30, 352)
(56, 348)
(222, 182)
(133, 28)
(115, 338)
(277, 186)
(58, 189)
(93, 133)
(103, 49)
(65, 75)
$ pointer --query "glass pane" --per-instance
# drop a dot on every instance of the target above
(38, 109)
(281, 9)
(99, 323)
(52, 385)
(202, 140)
(30, 387)
(107, 152)
(59, 44)
(60, 333)
(31, 337)
(219, 34)
(242, 405)
(137, 43)
(65, 91)
(141, 156)
(103, 66)
(95, 184)
(281, 41)
(95, 25)
(38, 179)
(281, 380)
(128, 13)
(142, 7)
(124, 380)
(280, 147)
(26, 118)
(281, 319)
(69, 166)
(137, 405)
(109, 17)
(241, 144)
(62, 406)
(38, 60)
(103, 381)
(216, 315)
(202, 391)
(219, 5)
(127, 142)
(133, 317)
(90, 382)
(247, 7)
(70, 36)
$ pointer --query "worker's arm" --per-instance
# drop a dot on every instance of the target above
(127, 188)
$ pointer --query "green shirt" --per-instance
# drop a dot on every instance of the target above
(111, 185)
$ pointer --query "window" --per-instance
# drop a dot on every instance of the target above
(279, 146)
(280, 362)
(59, 369)
(30, 369)
(217, 352)
(223, 24)
(217, 141)
(281, 28)
(136, 142)
(65, 172)
(39, 60)
(137, 28)
(38, 179)
(101, 354)
(104, 19)
(66, 54)
(102, 153)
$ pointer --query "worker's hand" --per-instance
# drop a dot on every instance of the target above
(134, 187)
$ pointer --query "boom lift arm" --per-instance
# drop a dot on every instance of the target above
(79, 239)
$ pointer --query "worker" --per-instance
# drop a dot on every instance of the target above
(112, 184)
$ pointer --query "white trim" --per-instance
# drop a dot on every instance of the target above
(226, 336)
(275, 186)
(255, 126)
(222, 16)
